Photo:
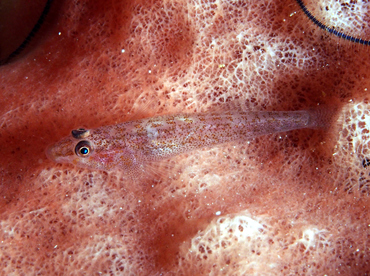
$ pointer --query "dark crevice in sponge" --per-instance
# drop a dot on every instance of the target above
(33, 32)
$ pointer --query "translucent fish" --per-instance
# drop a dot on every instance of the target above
(131, 145)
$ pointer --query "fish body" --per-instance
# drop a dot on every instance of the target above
(130, 145)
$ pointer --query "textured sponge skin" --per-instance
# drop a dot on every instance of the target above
(294, 203)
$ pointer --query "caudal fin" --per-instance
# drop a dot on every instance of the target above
(325, 117)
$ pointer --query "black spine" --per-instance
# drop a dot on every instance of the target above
(328, 29)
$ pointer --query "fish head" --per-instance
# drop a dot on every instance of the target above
(93, 149)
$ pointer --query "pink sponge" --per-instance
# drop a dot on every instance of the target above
(282, 204)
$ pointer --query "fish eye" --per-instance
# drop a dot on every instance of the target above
(83, 149)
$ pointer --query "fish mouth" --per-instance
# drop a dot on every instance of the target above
(61, 152)
(50, 153)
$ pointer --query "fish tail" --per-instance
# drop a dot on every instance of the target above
(324, 117)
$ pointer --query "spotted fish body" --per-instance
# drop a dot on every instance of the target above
(131, 145)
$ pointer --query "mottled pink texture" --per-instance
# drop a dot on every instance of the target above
(293, 203)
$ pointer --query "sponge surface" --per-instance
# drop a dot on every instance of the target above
(295, 203)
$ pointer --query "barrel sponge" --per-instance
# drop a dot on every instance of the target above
(288, 203)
